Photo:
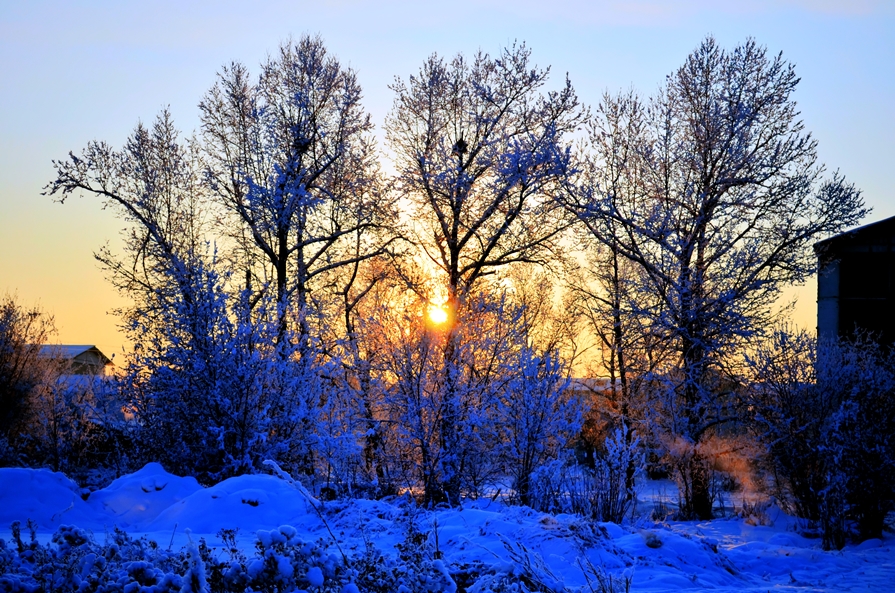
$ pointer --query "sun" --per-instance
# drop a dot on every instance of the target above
(438, 314)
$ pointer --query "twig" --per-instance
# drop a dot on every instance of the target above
(171, 543)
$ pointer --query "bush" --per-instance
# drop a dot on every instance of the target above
(826, 413)
(604, 492)
(74, 562)
(23, 371)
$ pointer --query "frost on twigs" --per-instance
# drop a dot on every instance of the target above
(283, 475)
(74, 562)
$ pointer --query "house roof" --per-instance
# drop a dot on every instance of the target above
(70, 352)
(884, 229)
(588, 383)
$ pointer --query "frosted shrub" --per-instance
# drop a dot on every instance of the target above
(536, 416)
(341, 431)
(210, 396)
(73, 562)
(827, 415)
(604, 493)
(614, 472)
(550, 486)
(787, 412)
(283, 561)
(860, 440)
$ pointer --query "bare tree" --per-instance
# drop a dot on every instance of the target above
(205, 397)
(23, 331)
(479, 151)
(155, 185)
(728, 199)
(611, 291)
(291, 157)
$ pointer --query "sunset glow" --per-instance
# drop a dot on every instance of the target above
(549, 279)
(438, 314)
(171, 57)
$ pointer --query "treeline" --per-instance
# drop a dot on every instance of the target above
(418, 330)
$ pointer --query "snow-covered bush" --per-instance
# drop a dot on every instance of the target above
(536, 417)
(340, 437)
(414, 403)
(787, 413)
(614, 473)
(549, 486)
(418, 566)
(209, 394)
(74, 562)
(858, 448)
(470, 403)
(603, 492)
(827, 415)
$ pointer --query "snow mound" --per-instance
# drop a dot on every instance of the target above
(135, 500)
(247, 503)
(48, 498)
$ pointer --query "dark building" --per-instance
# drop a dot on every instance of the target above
(856, 282)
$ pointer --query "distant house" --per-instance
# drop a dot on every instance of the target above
(87, 376)
(84, 360)
(856, 282)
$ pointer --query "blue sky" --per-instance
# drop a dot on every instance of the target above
(75, 72)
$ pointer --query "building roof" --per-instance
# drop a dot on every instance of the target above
(70, 352)
(588, 383)
(881, 229)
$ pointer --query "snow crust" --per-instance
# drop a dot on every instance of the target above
(720, 555)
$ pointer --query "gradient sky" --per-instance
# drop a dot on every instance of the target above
(74, 72)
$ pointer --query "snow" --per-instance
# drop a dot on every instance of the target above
(138, 498)
(315, 576)
(48, 498)
(247, 503)
(721, 555)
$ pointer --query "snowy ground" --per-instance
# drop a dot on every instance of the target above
(722, 555)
